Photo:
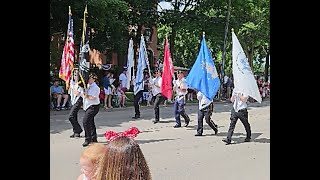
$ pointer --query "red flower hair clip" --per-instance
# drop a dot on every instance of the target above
(132, 132)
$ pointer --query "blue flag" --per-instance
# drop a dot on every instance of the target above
(203, 75)
(140, 67)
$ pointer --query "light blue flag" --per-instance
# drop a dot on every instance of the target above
(140, 67)
(203, 75)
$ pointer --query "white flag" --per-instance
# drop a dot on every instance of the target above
(130, 63)
(138, 84)
(244, 81)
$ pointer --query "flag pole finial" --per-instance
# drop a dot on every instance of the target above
(70, 10)
(86, 9)
(232, 29)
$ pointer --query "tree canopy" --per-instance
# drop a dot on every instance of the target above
(183, 24)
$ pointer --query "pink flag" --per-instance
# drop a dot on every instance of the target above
(168, 72)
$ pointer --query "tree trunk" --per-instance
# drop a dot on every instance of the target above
(266, 68)
(172, 37)
(250, 58)
(176, 6)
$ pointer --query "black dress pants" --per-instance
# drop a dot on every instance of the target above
(243, 116)
(206, 113)
(136, 103)
(88, 123)
(73, 116)
(158, 98)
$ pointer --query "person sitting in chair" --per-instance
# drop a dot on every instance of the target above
(57, 92)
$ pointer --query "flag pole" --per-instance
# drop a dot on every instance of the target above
(225, 44)
(133, 58)
(146, 56)
(82, 39)
(67, 43)
(172, 75)
(70, 14)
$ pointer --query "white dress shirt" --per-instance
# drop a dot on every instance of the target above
(73, 97)
(237, 103)
(203, 100)
(93, 90)
(156, 81)
(183, 85)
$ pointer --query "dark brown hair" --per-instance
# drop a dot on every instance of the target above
(123, 160)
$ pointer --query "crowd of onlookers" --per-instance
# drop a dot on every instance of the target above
(112, 91)
(264, 88)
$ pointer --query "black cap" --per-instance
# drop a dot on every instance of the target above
(158, 70)
(93, 76)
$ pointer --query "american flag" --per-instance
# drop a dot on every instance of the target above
(68, 54)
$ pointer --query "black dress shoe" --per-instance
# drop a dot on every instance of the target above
(186, 125)
(247, 139)
(74, 135)
(86, 143)
(177, 126)
(198, 134)
(155, 122)
(135, 117)
(226, 141)
(216, 131)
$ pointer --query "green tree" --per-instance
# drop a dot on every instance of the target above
(189, 19)
(250, 19)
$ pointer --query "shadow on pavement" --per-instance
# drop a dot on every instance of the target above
(143, 141)
(114, 118)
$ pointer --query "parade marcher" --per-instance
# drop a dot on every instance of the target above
(180, 86)
(239, 111)
(156, 92)
(75, 91)
(91, 104)
(146, 89)
(137, 98)
(205, 110)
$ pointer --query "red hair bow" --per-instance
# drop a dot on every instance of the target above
(132, 132)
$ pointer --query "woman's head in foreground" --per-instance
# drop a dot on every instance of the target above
(123, 160)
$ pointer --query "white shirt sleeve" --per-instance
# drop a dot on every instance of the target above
(160, 82)
(199, 95)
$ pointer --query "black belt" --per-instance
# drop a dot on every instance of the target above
(242, 110)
